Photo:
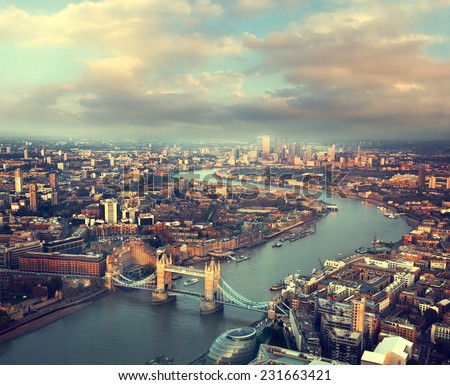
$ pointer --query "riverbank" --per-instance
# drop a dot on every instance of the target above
(50, 317)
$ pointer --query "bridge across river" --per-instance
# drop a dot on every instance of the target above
(216, 291)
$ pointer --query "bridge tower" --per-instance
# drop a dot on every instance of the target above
(209, 305)
(163, 281)
(108, 280)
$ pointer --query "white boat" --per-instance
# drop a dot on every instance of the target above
(191, 281)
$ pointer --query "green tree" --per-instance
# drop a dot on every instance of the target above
(96, 282)
(431, 316)
(40, 291)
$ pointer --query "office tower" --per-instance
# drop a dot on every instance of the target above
(299, 150)
(53, 182)
(33, 197)
(18, 177)
(265, 147)
(421, 178)
(278, 146)
(331, 153)
(110, 207)
(25, 153)
(358, 315)
(5, 200)
(291, 152)
(8, 150)
(308, 154)
(432, 182)
(55, 198)
(92, 162)
(65, 156)
(447, 185)
(60, 166)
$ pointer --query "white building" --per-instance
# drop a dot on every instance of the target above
(390, 351)
(440, 331)
(110, 206)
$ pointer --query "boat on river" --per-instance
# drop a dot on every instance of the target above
(278, 244)
(191, 281)
(277, 286)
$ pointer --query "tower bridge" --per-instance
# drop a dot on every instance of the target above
(217, 292)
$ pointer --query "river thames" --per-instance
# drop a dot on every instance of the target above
(124, 328)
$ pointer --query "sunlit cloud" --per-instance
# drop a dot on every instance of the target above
(347, 68)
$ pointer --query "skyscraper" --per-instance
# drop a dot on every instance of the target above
(358, 315)
(421, 178)
(53, 182)
(278, 146)
(308, 154)
(447, 185)
(110, 206)
(265, 147)
(33, 197)
(25, 153)
(291, 152)
(432, 182)
(18, 178)
(331, 153)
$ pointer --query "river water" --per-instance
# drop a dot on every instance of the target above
(124, 328)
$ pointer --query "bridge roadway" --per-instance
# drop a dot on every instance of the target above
(185, 270)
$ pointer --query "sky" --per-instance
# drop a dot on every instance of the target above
(237, 69)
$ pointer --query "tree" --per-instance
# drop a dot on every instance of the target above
(431, 316)
(40, 291)
(57, 282)
(96, 282)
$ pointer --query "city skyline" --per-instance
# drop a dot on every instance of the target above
(215, 69)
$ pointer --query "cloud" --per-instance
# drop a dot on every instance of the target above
(360, 68)
(353, 65)
(250, 6)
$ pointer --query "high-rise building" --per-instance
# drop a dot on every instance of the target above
(33, 197)
(447, 185)
(421, 178)
(110, 207)
(308, 154)
(265, 147)
(55, 198)
(331, 153)
(432, 182)
(299, 150)
(278, 146)
(53, 182)
(18, 178)
(358, 315)
(25, 153)
(291, 152)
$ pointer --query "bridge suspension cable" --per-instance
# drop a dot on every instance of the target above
(231, 296)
